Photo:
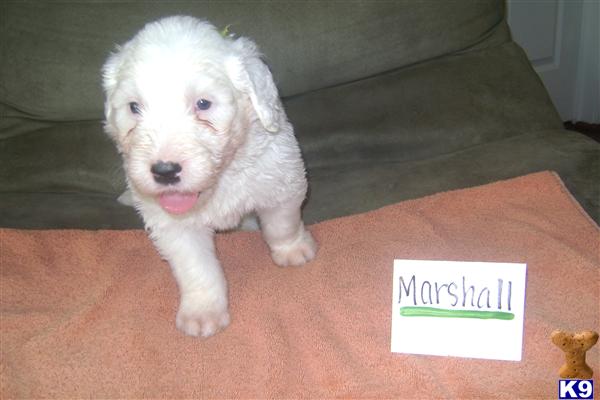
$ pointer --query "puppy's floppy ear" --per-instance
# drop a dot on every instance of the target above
(117, 121)
(250, 75)
(110, 73)
(111, 68)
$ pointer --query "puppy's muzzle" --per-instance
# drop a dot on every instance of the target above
(166, 173)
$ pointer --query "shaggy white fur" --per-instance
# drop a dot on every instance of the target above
(205, 141)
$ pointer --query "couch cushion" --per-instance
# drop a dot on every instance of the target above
(425, 110)
(453, 122)
(66, 157)
(338, 191)
(52, 54)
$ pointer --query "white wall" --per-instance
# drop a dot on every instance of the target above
(562, 40)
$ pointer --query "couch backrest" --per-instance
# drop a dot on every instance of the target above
(51, 54)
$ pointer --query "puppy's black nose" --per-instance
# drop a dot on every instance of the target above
(166, 173)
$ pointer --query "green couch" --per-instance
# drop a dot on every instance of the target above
(390, 101)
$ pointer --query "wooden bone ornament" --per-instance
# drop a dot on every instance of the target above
(575, 345)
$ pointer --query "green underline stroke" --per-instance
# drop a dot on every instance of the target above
(444, 313)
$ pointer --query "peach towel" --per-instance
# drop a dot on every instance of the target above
(91, 314)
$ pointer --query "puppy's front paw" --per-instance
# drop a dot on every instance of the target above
(199, 320)
(203, 324)
(297, 253)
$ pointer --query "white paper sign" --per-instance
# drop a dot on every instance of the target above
(460, 309)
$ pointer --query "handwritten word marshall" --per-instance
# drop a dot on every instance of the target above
(456, 294)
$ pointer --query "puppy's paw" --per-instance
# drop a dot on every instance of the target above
(202, 316)
(202, 324)
(297, 253)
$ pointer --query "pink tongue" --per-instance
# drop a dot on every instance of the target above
(177, 203)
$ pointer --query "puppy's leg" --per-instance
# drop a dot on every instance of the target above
(202, 285)
(282, 227)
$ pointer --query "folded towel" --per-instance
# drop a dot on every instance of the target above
(91, 314)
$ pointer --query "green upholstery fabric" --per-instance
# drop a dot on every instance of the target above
(52, 53)
(343, 191)
(430, 109)
(390, 100)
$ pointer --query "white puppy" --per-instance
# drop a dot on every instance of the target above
(205, 141)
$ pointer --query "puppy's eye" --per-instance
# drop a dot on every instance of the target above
(135, 108)
(203, 104)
